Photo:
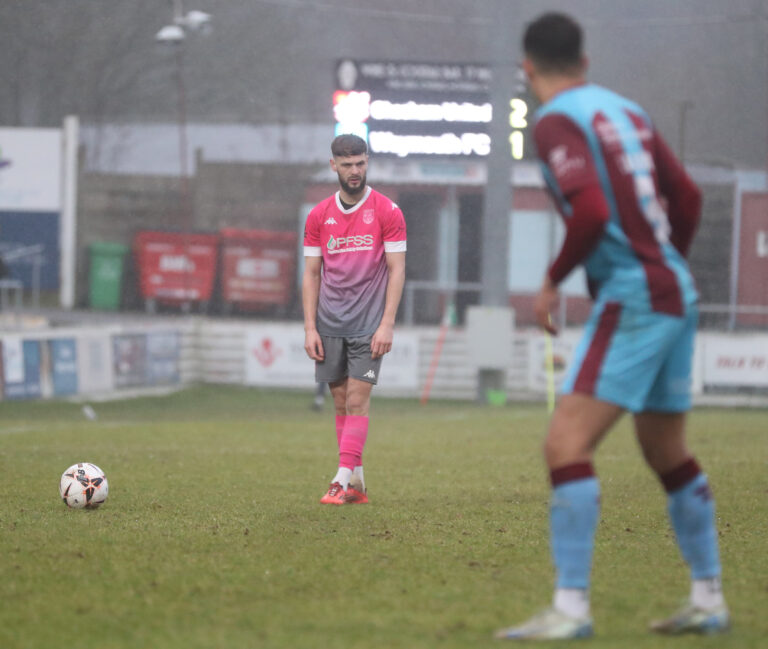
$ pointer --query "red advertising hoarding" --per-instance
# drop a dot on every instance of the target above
(257, 267)
(176, 267)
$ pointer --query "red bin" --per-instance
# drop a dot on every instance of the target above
(176, 267)
(257, 267)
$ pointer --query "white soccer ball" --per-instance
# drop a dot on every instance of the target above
(83, 485)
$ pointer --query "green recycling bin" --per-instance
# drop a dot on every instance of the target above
(106, 275)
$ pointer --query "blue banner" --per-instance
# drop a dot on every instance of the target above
(22, 369)
(20, 230)
(163, 349)
(63, 366)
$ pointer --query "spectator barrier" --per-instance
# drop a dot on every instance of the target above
(119, 359)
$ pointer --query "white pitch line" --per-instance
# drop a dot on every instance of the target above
(46, 427)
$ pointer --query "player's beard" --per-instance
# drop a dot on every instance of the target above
(353, 191)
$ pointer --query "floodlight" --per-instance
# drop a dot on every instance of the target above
(170, 34)
(195, 20)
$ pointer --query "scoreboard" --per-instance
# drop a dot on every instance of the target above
(417, 109)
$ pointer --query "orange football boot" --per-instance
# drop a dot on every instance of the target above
(355, 497)
(335, 496)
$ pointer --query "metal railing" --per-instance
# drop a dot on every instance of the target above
(32, 255)
(722, 317)
(10, 288)
(446, 291)
(732, 313)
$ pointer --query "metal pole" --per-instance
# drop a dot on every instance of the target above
(182, 119)
(765, 63)
(68, 243)
(733, 298)
(182, 111)
(37, 262)
(186, 203)
(498, 189)
(178, 10)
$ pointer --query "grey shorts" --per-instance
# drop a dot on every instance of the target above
(347, 357)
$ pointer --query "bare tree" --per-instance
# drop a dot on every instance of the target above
(78, 56)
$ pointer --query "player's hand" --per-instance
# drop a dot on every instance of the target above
(543, 304)
(381, 343)
(313, 345)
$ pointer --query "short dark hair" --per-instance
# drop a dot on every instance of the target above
(553, 42)
(348, 145)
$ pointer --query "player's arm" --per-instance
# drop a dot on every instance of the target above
(381, 343)
(564, 150)
(583, 230)
(310, 287)
(310, 294)
(682, 195)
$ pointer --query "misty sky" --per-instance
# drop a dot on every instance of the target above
(271, 61)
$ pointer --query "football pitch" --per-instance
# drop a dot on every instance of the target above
(212, 536)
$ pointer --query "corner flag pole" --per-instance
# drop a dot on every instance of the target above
(449, 319)
(549, 361)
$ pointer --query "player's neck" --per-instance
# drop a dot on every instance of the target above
(351, 199)
(554, 85)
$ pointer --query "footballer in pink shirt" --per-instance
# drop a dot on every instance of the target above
(354, 272)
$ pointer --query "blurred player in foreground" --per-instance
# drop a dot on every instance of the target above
(354, 248)
(630, 213)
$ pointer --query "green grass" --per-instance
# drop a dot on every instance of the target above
(213, 538)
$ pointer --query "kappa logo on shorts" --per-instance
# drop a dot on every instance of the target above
(330, 221)
(370, 374)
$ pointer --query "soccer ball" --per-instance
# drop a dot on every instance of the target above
(83, 485)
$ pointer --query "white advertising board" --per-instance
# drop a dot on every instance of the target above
(400, 367)
(732, 361)
(30, 169)
(13, 359)
(94, 362)
(275, 357)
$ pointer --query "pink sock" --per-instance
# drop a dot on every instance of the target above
(353, 441)
(340, 421)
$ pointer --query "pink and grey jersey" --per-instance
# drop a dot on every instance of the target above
(353, 244)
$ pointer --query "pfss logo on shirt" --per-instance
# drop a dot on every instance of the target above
(353, 243)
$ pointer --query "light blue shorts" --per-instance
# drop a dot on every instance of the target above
(639, 360)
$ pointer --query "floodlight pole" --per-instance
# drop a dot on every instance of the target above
(186, 202)
(175, 35)
(178, 11)
(182, 125)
